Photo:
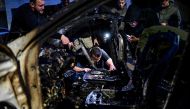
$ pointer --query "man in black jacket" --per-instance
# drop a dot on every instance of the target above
(27, 17)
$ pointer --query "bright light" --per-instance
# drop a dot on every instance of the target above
(106, 36)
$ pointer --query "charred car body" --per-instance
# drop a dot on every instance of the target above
(33, 76)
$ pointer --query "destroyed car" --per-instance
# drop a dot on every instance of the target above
(32, 67)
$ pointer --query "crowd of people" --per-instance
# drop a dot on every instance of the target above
(133, 21)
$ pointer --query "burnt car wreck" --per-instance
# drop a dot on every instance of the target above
(33, 67)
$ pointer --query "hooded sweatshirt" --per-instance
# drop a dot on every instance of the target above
(170, 15)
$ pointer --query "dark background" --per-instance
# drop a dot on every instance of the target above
(181, 97)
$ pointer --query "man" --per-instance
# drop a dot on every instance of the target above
(76, 67)
(133, 28)
(27, 17)
(120, 8)
(169, 14)
(81, 64)
(98, 57)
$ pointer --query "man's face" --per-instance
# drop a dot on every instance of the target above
(165, 3)
(133, 24)
(39, 6)
(95, 59)
(121, 3)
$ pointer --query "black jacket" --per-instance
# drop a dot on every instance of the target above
(25, 19)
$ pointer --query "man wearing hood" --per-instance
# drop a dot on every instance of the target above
(133, 27)
(169, 14)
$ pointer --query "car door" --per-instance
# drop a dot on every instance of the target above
(20, 82)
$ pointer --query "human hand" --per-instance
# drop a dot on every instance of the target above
(70, 45)
(65, 40)
(132, 38)
(86, 69)
(95, 42)
(163, 23)
(112, 68)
